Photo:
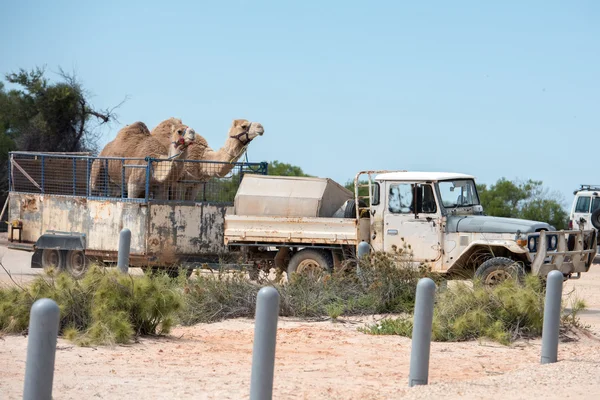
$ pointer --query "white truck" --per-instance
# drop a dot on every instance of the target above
(292, 223)
(585, 211)
(283, 221)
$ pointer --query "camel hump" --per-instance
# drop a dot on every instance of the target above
(137, 127)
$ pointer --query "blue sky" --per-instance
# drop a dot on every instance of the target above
(494, 89)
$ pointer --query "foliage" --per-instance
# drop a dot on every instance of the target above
(387, 283)
(48, 117)
(502, 313)
(105, 307)
(528, 200)
(282, 169)
(44, 116)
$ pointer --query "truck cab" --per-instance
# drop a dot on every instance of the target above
(438, 217)
(585, 210)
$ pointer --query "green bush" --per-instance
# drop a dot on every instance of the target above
(502, 313)
(105, 307)
(386, 284)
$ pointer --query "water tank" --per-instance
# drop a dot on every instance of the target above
(289, 196)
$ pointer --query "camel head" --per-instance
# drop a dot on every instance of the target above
(244, 130)
(182, 136)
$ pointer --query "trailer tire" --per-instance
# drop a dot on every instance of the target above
(309, 261)
(53, 259)
(596, 219)
(498, 269)
(76, 263)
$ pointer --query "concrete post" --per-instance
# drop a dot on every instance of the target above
(263, 353)
(550, 329)
(421, 334)
(124, 249)
(41, 350)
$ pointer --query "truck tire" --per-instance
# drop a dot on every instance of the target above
(310, 261)
(596, 219)
(498, 269)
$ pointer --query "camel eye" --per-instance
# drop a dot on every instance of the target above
(180, 132)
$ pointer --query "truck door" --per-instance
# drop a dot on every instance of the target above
(412, 217)
(582, 210)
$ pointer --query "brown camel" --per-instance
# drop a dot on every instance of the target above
(135, 143)
(219, 163)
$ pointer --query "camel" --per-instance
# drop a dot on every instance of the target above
(136, 143)
(240, 134)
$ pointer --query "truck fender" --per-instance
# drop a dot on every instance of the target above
(468, 258)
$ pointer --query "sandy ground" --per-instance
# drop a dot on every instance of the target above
(314, 360)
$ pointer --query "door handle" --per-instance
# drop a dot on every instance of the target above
(392, 232)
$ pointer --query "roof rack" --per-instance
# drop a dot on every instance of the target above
(588, 187)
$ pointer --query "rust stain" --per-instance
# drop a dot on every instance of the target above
(30, 203)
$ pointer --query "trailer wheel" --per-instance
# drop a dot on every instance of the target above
(52, 259)
(76, 263)
(310, 262)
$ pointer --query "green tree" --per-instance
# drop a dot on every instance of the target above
(527, 200)
(50, 117)
(47, 117)
(282, 169)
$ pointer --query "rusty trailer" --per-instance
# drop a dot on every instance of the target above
(66, 225)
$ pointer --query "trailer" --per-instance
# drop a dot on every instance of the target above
(54, 213)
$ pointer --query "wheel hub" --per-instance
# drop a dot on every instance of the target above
(51, 258)
(77, 262)
(496, 277)
(309, 267)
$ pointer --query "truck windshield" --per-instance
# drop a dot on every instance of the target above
(458, 193)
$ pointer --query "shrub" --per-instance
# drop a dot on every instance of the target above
(105, 307)
(502, 313)
(219, 296)
(386, 284)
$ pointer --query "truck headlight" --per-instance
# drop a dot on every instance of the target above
(532, 244)
(552, 242)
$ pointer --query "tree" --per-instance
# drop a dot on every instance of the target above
(50, 117)
(46, 117)
(527, 200)
(282, 169)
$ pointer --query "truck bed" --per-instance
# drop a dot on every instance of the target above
(294, 230)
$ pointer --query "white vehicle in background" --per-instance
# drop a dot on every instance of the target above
(585, 211)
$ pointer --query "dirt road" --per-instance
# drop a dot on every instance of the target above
(319, 360)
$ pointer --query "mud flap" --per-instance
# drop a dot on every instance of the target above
(36, 259)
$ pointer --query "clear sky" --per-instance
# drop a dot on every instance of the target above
(504, 88)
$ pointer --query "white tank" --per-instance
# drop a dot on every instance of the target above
(289, 196)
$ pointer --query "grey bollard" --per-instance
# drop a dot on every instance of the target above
(263, 352)
(421, 334)
(363, 249)
(41, 349)
(124, 249)
(550, 329)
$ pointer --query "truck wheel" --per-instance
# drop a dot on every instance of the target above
(76, 263)
(596, 219)
(498, 269)
(309, 262)
(52, 259)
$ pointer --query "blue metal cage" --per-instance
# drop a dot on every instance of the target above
(127, 179)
